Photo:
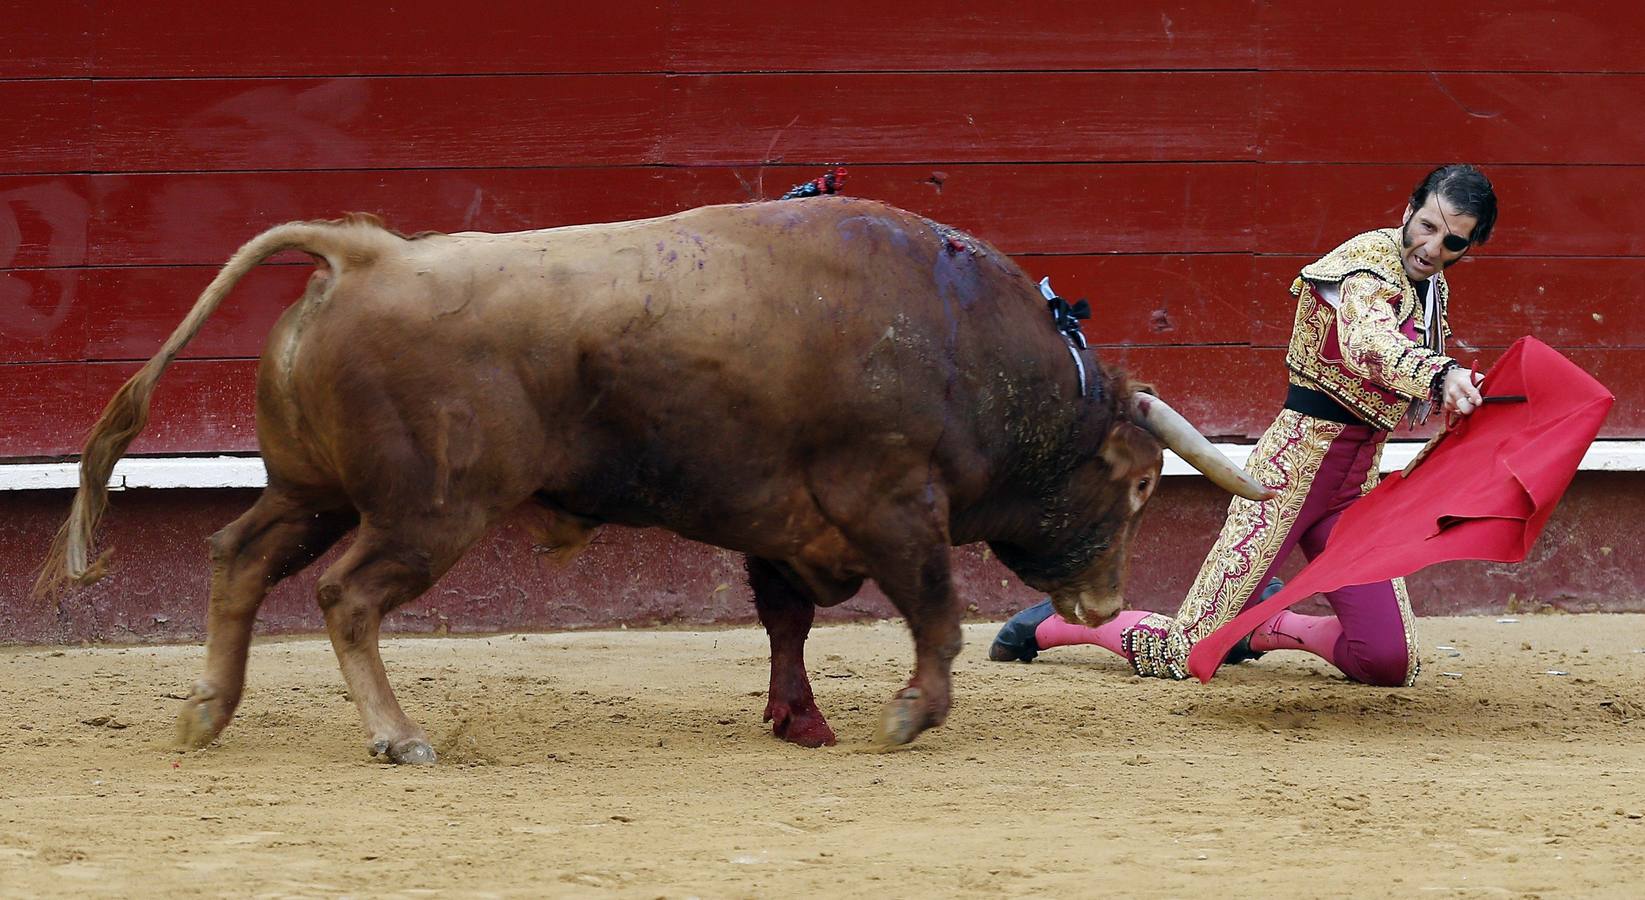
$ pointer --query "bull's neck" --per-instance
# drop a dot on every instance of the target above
(1030, 503)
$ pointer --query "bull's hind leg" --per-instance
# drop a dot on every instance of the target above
(380, 571)
(278, 536)
(787, 610)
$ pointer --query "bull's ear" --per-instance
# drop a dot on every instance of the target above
(1140, 387)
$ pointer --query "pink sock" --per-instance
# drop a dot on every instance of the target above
(1292, 631)
(1054, 632)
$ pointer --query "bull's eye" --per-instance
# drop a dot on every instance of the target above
(1142, 486)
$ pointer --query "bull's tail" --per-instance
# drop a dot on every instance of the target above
(69, 561)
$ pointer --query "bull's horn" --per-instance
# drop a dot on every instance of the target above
(1172, 430)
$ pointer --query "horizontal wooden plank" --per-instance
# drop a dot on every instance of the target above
(931, 35)
(181, 38)
(585, 120)
(1619, 371)
(1565, 302)
(1160, 300)
(200, 406)
(961, 117)
(1156, 299)
(107, 314)
(44, 219)
(498, 121)
(1544, 211)
(62, 315)
(1229, 393)
(281, 124)
(1575, 303)
(1503, 36)
(168, 219)
(149, 219)
(384, 123)
(1032, 208)
(1482, 119)
(46, 40)
(46, 126)
(207, 406)
(201, 219)
(178, 38)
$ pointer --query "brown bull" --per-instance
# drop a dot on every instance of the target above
(839, 389)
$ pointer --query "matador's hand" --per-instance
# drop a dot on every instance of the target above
(1460, 394)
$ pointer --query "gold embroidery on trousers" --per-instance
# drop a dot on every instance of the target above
(1286, 458)
(1408, 621)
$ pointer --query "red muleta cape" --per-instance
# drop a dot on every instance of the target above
(1483, 490)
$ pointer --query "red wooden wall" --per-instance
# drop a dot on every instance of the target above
(1174, 162)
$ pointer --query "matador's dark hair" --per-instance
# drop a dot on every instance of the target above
(1465, 188)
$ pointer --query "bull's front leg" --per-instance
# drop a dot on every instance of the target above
(787, 613)
(923, 591)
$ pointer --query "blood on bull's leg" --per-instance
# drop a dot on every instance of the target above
(787, 612)
(278, 536)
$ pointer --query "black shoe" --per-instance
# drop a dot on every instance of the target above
(1242, 651)
(1015, 642)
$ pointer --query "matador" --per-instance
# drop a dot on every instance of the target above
(1367, 349)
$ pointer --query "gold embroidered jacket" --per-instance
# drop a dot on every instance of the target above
(1360, 334)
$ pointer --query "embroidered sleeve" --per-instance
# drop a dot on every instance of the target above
(1373, 347)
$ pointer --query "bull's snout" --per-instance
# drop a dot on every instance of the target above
(1088, 607)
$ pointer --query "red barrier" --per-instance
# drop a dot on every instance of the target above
(1173, 164)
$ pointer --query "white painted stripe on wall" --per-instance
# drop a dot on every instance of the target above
(247, 471)
(176, 472)
(1602, 456)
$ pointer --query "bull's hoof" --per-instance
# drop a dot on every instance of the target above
(200, 720)
(904, 718)
(799, 723)
(409, 752)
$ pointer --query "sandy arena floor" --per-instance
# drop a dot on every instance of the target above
(634, 764)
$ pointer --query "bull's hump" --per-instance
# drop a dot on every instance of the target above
(809, 208)
(592, 227)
